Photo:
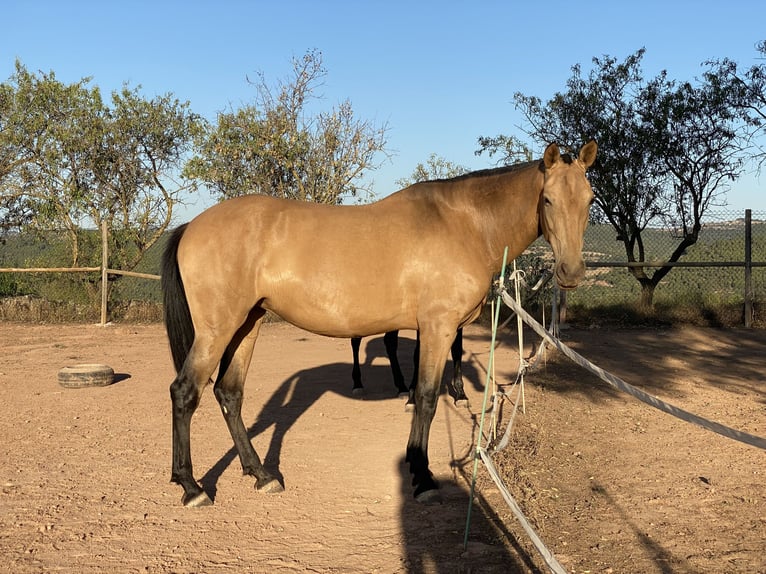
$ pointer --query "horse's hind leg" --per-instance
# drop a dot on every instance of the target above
(356, 371)
(457, 370)
(229, 390)
(391, 341)
(185, 393)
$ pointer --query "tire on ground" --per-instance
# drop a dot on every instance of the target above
(87, 375)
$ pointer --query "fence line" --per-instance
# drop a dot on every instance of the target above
(745, 292)
(616, 382)
(675, 264)
(50, 269)
(104, 269)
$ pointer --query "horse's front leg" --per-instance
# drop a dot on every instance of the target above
(434, 346)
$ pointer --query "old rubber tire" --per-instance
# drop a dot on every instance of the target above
(88, 375)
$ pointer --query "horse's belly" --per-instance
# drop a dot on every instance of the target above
(340, 320)
(341, 306)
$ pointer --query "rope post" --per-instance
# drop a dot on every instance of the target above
(520, 331)
(477, 453)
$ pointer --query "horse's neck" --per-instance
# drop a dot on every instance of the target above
(514, 212)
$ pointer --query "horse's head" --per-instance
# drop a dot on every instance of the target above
(564, 206)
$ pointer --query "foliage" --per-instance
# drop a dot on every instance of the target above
(511, 149)
(71, 162)
(435, 168)
(277, 147)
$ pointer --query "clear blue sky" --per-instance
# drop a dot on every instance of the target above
(440, 74)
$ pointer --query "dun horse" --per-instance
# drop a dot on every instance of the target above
(422, 258)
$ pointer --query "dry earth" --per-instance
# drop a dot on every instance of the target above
(610, 484)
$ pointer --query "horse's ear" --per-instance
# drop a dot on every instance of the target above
(588, 153)
(551, 155)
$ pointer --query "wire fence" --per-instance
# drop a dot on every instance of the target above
(710, 273)
(721, 241)
(75, 295)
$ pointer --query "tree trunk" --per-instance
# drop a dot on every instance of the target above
(646, 300)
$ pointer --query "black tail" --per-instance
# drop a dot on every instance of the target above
(178, 321)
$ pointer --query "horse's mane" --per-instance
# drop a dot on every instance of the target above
(566, 158)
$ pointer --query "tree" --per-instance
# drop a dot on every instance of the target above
(277, 147)
(436, 167)
(70, 162)
(666, 150)
(136, 187)
(45, 136)
(512, 149)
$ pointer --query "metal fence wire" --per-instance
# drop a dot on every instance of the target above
(721, 240)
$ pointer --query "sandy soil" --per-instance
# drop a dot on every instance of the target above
(610, 484)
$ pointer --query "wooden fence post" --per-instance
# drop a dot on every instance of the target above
(104, 267)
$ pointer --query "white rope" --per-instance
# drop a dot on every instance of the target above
(539, 545)
(518, 277)
(507, 434)
(546, 554)
(618, 383)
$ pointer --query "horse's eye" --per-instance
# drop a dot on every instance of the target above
(547, 200)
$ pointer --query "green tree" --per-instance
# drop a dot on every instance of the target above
(45, 136)
(511, 149)
(667, 150)
(277, 146)
(143, 147)
(436, 167)
(70, 162)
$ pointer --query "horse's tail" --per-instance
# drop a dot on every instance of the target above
(178, 321)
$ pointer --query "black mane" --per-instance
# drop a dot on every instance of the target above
(566, 158)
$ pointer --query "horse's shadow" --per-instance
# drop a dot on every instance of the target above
(301, 390)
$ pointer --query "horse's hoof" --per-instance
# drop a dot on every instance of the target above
(429, 497)
(461, 403)
(197, 501)
(409, 408)
(271, 487)
(402, 394)
(357, 392)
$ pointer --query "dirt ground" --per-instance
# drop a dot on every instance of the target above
(610, 484)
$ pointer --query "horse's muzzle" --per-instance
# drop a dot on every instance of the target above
(568, 276)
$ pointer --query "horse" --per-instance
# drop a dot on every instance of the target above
(391, 344)
(422, 258)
